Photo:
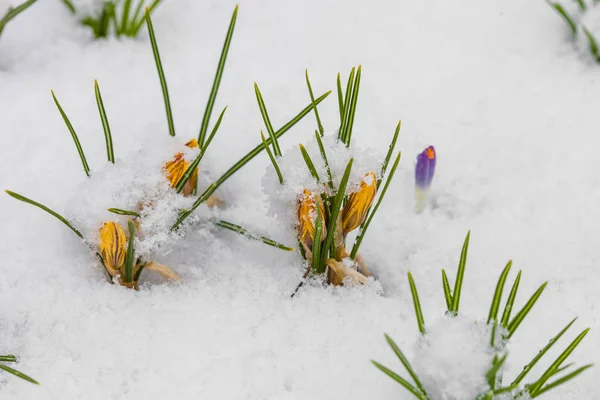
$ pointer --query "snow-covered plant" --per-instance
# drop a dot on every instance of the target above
(124, 16)
(13, 12)
(164, 193)
(327, 196)
(464, 359)
(583, 19)
(12, 359)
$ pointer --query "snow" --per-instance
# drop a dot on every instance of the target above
(497, 87)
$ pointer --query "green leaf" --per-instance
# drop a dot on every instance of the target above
(190, 170)
(68, 4)
(13, 12)
(535, 387)
(447, 290)
(309, 163)
(140, 22)
(363, 230)
(347, 100)
(389, 153)
(129, 258)
(566, 17)
(107, 136)
(510, 301)
(125, 16)
(593, 44)
(312, 99)
(43, 207)
(86, 168)
(19, 374)
(267, 120)
(352, 109)
(417, 304)
(493, 371)
(272, 158)
(581, 4)
(340, 100)
(8, 358)
(217, 81)
(324, 156)
(123, 212)
(242, 231)
(133, 22)
(460, 275)
(243, 162)
(407, 385)
(516, 321)
(562, 380)
(493, 315)
(335, 210)
(317, 247)
(161, 74)
(405, 361)
(541, 353)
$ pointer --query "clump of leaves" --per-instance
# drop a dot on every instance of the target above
(116, 251)
(503, 328)
(12, 359)
(326, 217)
(120, 17)
(13, 12)
(576, 26)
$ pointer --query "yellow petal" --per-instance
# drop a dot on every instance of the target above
(307, 216)
(193, 144)
(113, 246)
(358, 204)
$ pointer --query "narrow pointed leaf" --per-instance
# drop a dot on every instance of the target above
(317, 246)
(364, 229)
(405, 362)
(324, 156)
(566, 17)
(217, 81)
(309, 164)
(13, 12)
(19, 374)
(389, 153)
(417, 304)
(447, 290)
(107, 136)
(407, 385)
(86, 168)
(125, 16)
(510, 301)
(347, 99)
(8, 358)
(340, 99)
(123, 212)
(140, 22)
(493, 315)
(352, 111)
(129, 258)
(272, 158)
(516, 321)
(460, 275)
(562, 380)
(267, 120)
(312, 99)
(161, 73)
(245, 232)
(43, 207)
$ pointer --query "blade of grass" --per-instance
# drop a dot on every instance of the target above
(460, 275)
(107, 136)
(324, 156)
(267, 120)
(493, 315)
(593, 44)
(312, 99)
(189, 172)
(562, 380)
(19, 374)
(245, 232)
(516, 321)
(43, 207)
(364, 229)
(272, 158)
(123, 212)
(540, 354)
(536, 386)
(347, 99)
(565, 16)
(510, 301)
(243, 161)
(217, 81)
(13, 12)
(8, 358)
(447, 290)
(407, 385)
(309, 163)
(389, 153)
(335, 210)
(340, 99)
(417, 304)
(86, 168)
(353, 104)
(129, 258)
(405, 362)
(161, 74)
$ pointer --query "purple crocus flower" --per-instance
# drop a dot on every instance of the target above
(424, 175)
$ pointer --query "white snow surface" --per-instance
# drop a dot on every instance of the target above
(497, 87)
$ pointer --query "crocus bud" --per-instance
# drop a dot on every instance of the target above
(175, 169)
(424, 175)
(307, 217)
(113, 247)
(358, 204)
